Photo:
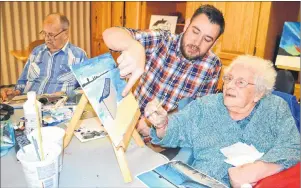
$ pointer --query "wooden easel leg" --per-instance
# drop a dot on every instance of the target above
(74, 120)
(137, 138)
(120, 155)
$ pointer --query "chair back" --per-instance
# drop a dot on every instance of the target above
(293, 105)
(285, 82)
(34, 44)
(22, 55)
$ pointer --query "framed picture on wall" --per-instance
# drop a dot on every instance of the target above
(161, 22)
(288, 55)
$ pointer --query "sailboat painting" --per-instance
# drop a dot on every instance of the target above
(100, 80)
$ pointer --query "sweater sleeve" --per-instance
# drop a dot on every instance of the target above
(182, 127)
(286, 150)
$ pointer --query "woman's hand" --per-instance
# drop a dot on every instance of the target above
(157, 115)
(251, 173)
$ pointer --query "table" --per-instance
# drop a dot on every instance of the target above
(90, 164)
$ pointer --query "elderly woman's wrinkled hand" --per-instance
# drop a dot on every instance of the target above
(156, 114)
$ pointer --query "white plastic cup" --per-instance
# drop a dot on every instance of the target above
(51, 134)
(44, 174)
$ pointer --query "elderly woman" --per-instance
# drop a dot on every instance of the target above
(245, 112)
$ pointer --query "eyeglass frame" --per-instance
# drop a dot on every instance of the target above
(236, 81)
(52, 37)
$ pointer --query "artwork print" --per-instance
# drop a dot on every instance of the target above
(177, 174)
(159, 22)
(289, 48)
(100, 79)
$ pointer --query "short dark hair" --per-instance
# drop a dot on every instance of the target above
(214, 15)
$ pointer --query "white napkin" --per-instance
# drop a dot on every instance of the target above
(241, 153)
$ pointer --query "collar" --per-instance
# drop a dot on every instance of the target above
(178, 47)
(248, 118)
(63, 49)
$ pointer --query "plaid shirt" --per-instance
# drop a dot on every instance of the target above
(48, 73)
(168, 76)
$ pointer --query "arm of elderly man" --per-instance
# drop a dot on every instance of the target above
(8, 93)
(185, 128)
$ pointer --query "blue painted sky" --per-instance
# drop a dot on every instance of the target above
(290, 37)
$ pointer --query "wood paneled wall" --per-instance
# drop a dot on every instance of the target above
(21, 23)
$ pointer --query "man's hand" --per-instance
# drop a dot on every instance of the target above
(8, 93)
(132, 60)
(251, 173)
(157, 115)
(131, 64)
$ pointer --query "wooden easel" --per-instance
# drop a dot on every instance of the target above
(127, 116)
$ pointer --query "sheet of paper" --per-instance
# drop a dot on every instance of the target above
(241, 153)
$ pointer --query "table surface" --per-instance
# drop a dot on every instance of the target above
(89, 164)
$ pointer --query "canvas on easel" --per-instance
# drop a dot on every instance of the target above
(100, 80)
(288, 56)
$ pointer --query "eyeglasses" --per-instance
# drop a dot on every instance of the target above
(51, 36)
(239, 82)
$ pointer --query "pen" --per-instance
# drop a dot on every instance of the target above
(160, 104)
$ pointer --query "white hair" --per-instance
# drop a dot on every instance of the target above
(265, 73)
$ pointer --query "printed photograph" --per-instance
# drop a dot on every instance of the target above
(178, 174)
(159, 22)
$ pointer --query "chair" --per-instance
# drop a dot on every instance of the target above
(287, 178)
(285, 82)
(23, 54)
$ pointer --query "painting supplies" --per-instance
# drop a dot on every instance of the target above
(46, 172)
(36, 148)
(52, 134)
(38, 117)
(30, 112)
(20, 139)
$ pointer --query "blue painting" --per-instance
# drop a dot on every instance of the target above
(290, 39)
(289, 48)
(100, 80)
(177, 174)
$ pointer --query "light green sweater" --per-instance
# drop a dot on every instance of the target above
(205, 125)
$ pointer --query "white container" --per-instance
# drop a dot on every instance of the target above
(30, 113)
(51, 134)
(44, 174)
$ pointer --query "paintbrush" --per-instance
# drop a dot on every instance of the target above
(39, 130)
(36, 147)
(160, 104)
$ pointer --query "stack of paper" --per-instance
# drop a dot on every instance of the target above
(241, 153)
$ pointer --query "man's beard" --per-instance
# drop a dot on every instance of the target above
(188, 57)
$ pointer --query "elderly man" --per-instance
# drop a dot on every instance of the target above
(48, 67)
(177, 66)
(246, 112)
